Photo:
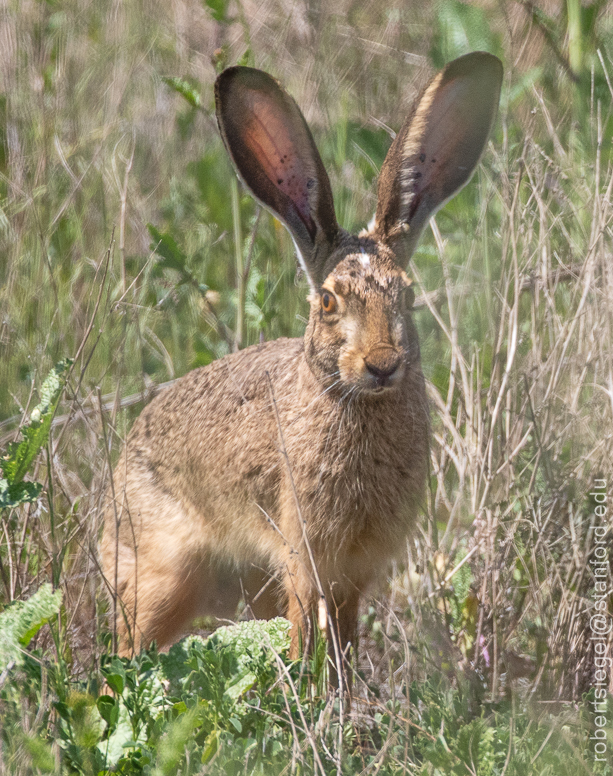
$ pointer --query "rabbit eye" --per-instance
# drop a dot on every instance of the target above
(328, 302)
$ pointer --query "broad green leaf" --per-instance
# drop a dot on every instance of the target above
(21, 493)
(218, 9)
(109, 709)
(22, 620)
(115, 676)
(19, 456)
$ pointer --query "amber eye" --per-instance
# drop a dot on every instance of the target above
(328, 302)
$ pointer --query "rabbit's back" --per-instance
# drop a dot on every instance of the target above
(210, 443)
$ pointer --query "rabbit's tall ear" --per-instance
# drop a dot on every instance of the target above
(437, 149)
(275, 155)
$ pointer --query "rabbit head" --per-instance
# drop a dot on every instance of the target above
(360, 335)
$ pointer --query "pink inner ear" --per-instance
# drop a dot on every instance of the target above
(452, 140)
(271, 141)
(440, 145)
(454, 106)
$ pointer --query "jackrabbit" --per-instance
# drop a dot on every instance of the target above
(302, 460)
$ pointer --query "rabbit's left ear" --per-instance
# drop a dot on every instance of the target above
(437, 149)
(275, 155)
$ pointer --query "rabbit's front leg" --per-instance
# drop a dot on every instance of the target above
(302, 597)
(337, 617)
(342, 610)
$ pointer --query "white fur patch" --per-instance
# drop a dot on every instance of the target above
(322, 616)
(302, 263)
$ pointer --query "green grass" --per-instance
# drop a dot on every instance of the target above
(234, 704)
(121, 230)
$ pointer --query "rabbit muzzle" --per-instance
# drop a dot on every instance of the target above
(383, 367)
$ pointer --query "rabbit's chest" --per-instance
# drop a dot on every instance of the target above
(360, 478)
(370, 479)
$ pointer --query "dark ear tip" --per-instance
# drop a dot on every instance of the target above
(233, 83)
(247, 76)
(479, 64)
(233, 71)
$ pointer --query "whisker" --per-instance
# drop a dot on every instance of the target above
(319, 395)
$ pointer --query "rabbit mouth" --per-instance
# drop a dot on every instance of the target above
(379, 385)
(382, 368)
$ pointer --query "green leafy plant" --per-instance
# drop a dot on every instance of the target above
(22, 620)
(19, 456)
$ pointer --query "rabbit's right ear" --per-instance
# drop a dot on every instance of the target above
(274, 153)
(436, 151)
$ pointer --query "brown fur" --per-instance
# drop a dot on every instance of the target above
(305, 458)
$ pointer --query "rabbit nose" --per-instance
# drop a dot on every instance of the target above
(382, 362)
